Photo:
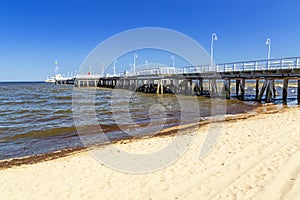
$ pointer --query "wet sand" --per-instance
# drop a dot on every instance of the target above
(254, 158)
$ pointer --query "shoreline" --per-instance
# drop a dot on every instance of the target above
(170, 131)
(253, 158)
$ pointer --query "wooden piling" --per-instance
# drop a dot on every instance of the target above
(190, 87)
(262, 90)
(256, 89)
(196, 89)
(242, 86)
(269, 92)
(274, 89)
(175, 90)
(285, 90)
(227, 88)
(159, 89)
(214, 90)
(298, 95)
(237, 87)
(201, 86)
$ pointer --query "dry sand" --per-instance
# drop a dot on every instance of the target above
(257, 158)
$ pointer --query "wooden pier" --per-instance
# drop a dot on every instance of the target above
(213, 81)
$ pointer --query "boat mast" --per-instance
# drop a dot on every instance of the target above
(56, 68)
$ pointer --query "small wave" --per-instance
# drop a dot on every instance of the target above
(63, 97)
(41, 133)
(63, 111)
(30, 111)
(21, 102)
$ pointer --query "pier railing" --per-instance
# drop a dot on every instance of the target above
(258, 65)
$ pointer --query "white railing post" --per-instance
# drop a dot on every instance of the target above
(297, 63)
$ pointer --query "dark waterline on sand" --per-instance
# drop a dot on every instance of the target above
(37, 118)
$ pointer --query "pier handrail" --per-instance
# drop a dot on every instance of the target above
(240, 66)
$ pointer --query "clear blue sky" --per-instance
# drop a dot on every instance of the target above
(33, 34)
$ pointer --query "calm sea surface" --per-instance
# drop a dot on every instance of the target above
(38, 117)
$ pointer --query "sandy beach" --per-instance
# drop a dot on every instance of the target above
(254, 158)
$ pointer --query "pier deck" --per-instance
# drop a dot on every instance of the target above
(189, 80)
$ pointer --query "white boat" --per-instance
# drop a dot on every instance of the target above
(53, 79)
(50, 80)
(57, 76)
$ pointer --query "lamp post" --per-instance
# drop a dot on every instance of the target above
(103, 65)
(115, 62)
(134, 58)
(268, 42)
(56, 68)
(147, 64)
(173, 61)
(213, 38)
(130, 65)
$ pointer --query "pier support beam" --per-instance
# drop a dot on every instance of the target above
(213, 85)
(226, 88)
(237, 87)
(175, 86)
(274, 89)
(186, 87)
(285, 90)
(262, 91)
(242, 85)
(190, 87)
(201, 86)
(269, 93)
(196, 89)
(298, 90)
(159, 89)
(256, 89)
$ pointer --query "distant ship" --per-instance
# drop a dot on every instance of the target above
(53, 79)
(58, 78)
